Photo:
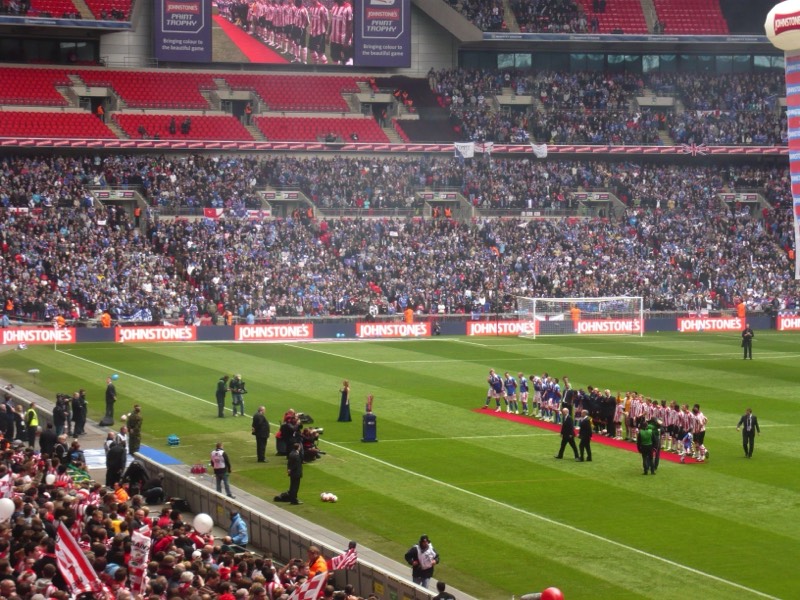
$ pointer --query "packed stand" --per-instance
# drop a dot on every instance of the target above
(730, 128)
(88, 260)
(550, 16)
(486, 15)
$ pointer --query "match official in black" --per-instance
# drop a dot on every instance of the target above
(747, 341)
(749, 426)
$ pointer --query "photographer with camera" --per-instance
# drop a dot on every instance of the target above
(310, 438)
(237, 394)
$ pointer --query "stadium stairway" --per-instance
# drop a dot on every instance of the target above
(650, 16)
(83, 9)
(509, 18)
(118, 131)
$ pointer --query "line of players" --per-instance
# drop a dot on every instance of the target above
(682, 430)
(294, 28)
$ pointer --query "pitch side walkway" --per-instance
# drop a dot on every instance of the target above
(92, 445)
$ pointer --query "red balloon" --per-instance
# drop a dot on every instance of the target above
(552, 593)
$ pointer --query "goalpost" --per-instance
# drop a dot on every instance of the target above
(610, 315)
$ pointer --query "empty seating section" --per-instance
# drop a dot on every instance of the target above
(297, 93)
(215, 127)
(110, 9)
(53, 8)
(154, 89)
(691, 17)
(32, 87)
(310, 129)
(619, 15)
(53, 125)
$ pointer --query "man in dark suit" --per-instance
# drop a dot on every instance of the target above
(749, 426)
(747, 341)
(585, 435)
(295, 471)
(261, 431)
(567, 435)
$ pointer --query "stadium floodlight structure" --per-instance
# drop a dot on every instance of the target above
(609, 315)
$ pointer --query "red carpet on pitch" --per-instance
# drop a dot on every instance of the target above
(556, 428)
(253, 49)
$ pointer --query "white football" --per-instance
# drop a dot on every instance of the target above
(333, 498)
(124, 417)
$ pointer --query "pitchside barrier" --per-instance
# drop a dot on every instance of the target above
(427, 326)
(271, 528)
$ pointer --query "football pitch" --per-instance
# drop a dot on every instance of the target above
(505, 517)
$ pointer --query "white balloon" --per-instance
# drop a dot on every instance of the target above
(783, 25)
(50, 479)
(203, 523)
(6, 508)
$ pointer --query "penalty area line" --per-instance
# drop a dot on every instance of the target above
(303, 347)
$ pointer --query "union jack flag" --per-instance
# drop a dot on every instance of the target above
(694, 149)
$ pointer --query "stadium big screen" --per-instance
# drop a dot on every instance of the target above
(367, 33)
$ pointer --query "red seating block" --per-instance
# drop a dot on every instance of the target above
(626, 15)
(53, 125)
(213, 127)
(32, 87)
(154, 89)
(102, 9)
(311, 129)
(297, 93)
(691, 16)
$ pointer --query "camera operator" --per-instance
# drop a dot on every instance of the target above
(289, 433)
(310, 440)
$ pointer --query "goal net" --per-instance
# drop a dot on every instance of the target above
(613, 315)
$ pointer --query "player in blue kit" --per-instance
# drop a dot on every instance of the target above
(523, 392)
(511, 393)
(495, 389)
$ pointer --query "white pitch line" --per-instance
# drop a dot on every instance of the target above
(462, 437)
(550, 521)
(299, 347)
(663, 357)
(487, 499)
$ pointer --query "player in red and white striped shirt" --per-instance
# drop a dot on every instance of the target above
(637, 410)
(700, 422)
(342, 32)
(318, 30)
(269, 29)
(278, 24)
(287, 12)
(301, 21)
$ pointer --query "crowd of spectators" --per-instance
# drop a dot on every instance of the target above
(181, 563)
(486, 15)
(676, 241)
(735, 91)
(601, 108)
(550, 16)
(729, 128)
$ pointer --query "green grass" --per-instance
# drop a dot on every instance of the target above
(505, 517)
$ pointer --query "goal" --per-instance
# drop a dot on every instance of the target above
(611, 315)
